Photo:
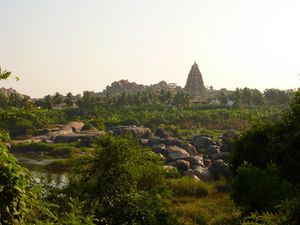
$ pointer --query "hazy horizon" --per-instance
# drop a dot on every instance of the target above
(72, 46)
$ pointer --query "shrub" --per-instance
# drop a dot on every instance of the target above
(255, 189)
(13, 182)
(122, 184)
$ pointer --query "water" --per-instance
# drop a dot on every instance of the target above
(37, 165)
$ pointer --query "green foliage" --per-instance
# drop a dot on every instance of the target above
(253, 188)
(4, 74)
(49, 207)
(4, 136)
(187, 186)
(272, 151)
(276, 96)
(22, 122)
(13, 182)
(122, 184)
(277, 143)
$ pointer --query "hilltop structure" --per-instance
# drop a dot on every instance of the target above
(194, 85)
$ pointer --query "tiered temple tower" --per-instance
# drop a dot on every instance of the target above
(194, 84)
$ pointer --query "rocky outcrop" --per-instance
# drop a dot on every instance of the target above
(139, 132)
(125, 86)
(70, 132)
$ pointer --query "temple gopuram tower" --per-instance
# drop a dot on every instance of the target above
(194, 85)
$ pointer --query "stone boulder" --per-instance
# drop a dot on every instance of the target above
(207, 162)
(195, 161)
(225, 156)
(226, 140)
(74, 137)
(213, 149)
(73, 126)
(219, 168)
(173, 142)
(190, 173)
(203, 174)
(143, 141)
(188, 147)
(181, 165)
(162, 133)
(141, 132)
(202, 141)
(159, 149)
(174, 152)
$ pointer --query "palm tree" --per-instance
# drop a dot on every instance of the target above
(69, 100)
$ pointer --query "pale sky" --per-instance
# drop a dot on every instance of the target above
(77, 45)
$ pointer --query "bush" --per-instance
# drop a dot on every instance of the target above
(254, 189)
(13, 182)
(187, 186)
(122, 184)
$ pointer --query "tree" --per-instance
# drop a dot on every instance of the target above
(123, 184)
(181, 99)
(58, 99)
(48, 102)
(165, 97)
(4, 101)
(222, 98)
(276, 97)
(69, 100)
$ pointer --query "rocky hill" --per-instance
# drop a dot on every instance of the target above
(125, 86)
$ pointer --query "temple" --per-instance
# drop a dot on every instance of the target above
(194, 85)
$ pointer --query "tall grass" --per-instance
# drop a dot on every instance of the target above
(187, 186)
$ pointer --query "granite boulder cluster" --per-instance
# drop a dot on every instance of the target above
(202, 157)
